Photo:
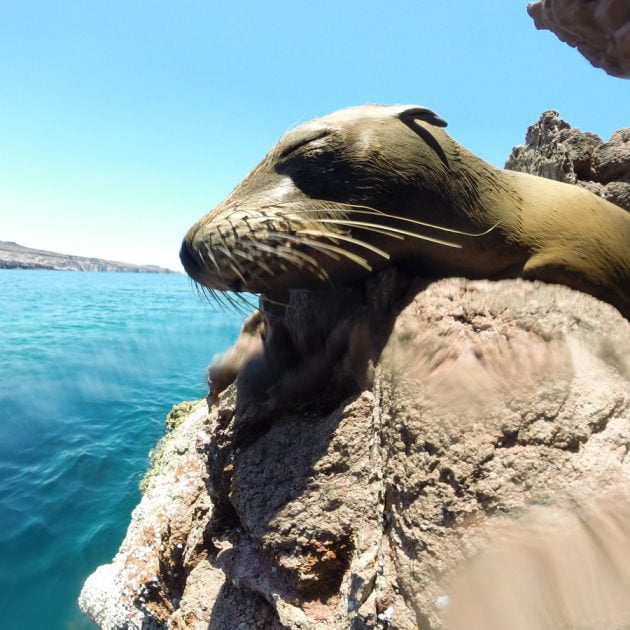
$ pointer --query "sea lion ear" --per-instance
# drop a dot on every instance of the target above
(410, 117)
(421, 113)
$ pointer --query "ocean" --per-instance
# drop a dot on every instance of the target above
(90, 363)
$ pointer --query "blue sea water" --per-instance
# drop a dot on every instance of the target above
(90, 363)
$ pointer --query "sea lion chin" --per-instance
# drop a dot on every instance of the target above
(346, 194)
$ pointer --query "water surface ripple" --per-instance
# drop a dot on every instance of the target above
(89, 365)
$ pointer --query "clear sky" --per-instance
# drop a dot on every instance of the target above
(122, 122)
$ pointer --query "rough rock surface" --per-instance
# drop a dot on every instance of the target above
(555, 150)
(387, 435)
(599, 29)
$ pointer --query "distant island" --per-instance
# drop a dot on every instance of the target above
(14, 256)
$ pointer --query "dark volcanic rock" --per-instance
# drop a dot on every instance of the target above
(14, 256)
(599, 29)
(555, 150)
(458, 417)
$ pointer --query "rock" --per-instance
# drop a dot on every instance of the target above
(612, 159)
(555, 150)
(619, 193)
(350, 496)
(599, 29)
(579, 556)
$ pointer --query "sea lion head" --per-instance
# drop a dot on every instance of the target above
(335, 199)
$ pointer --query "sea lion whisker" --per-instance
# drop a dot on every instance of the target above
(201, 292)
(235, 269)
(232, 264)
(273, 220)
(303, 241)
(261, 263)
(244, 255)
(205, 253)
(213, 297)
(206, 249)
(285, 305)
(235, 301)
(394, 230)
(308, 261)
(434, 226)
(235, 234)
(380, 230)
(224, 247)
(195, 284)
(275, 251)
(209, 295)
(246, 305)
(347, 239)
(287, 254)
(232, 302)
(253, 261)
(321, 272)
(332, 248)
(228, 252)
(227, 301)
(361, 209)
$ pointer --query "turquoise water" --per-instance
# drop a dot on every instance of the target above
(90, 363)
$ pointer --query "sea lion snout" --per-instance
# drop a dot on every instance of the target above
(249, 242)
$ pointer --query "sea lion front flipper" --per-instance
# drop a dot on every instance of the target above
(546, 268)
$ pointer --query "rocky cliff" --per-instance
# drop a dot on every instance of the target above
(404, 454)
(555, 150)
(14, 256)
(599, 29)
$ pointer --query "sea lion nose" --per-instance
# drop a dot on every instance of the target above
(191, 266)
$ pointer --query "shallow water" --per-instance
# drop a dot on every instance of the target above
(90, 363)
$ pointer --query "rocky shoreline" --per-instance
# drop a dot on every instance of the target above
(15, 256)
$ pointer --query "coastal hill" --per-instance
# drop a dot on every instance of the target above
(14, 256)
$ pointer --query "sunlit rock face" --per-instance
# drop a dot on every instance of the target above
(599, 29)
(555, 150)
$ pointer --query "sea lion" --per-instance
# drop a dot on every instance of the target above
(343, 195)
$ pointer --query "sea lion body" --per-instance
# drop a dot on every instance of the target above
(346, 194)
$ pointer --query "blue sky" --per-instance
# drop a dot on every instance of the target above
(123, 122)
